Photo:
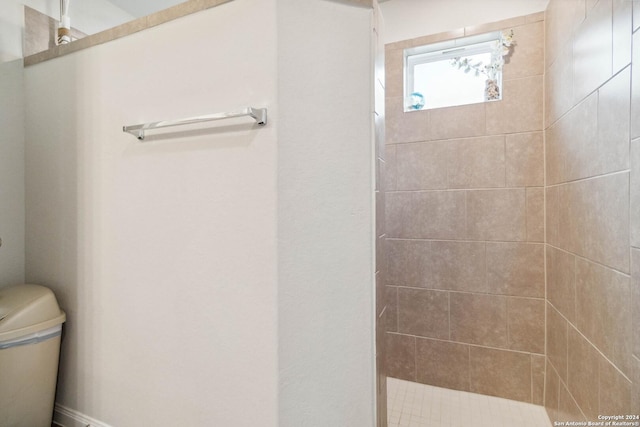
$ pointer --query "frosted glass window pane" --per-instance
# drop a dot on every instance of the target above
(444, 85)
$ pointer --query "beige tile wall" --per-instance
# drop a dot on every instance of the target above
(592, 215)
(465, 229)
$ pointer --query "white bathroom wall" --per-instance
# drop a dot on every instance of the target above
(408, 19)
(89, 16)
(163, 253)
(11, 173)
(218, 278)
(325, 214)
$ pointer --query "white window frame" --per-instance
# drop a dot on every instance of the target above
(450, 49)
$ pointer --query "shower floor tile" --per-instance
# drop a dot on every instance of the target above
(417, 405)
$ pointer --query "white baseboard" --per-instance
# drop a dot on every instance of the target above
(66, 417)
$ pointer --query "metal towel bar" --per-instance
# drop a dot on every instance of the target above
(258, 114)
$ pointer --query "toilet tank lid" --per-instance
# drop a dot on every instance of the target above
(25, 309)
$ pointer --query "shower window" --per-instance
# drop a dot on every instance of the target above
(457, 72)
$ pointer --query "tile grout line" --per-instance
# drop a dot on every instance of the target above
(589, 260)
(466, 292)
(583, 336)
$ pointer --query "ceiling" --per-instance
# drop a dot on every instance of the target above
(140, 8)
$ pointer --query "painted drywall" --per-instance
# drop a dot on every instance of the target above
(211, 278)
(408, 19)
(11, 173)
(325, 205)
(89, 16)
(162, 254)
(139, 8)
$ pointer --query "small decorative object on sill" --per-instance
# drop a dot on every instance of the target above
(491, 90)
(416, 101)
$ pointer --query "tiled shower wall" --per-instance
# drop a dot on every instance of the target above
(592, 122)
(465, 229)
